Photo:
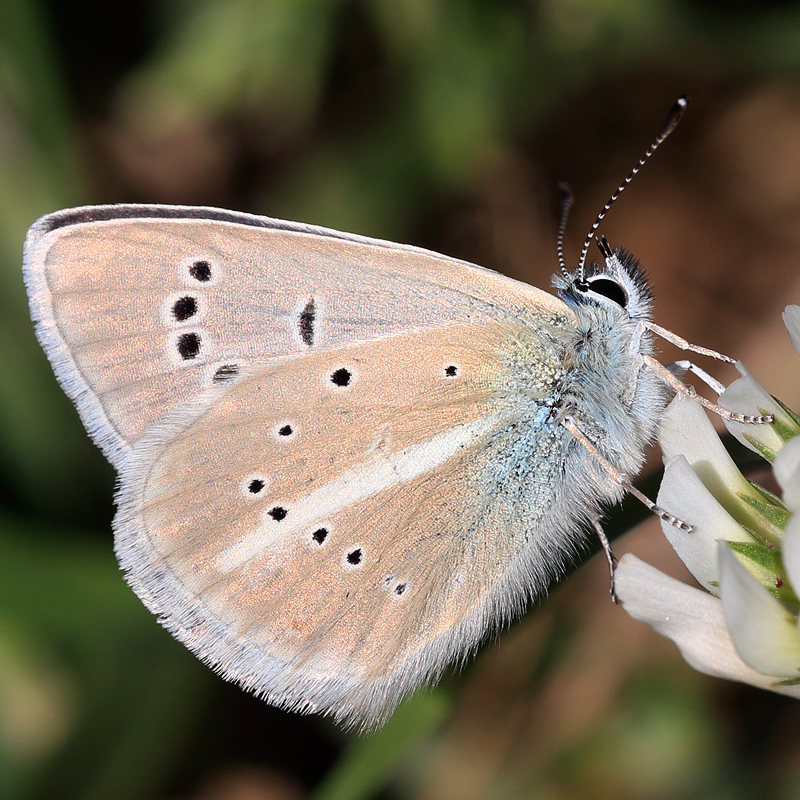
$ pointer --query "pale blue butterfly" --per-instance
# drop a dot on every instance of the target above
(341, 460)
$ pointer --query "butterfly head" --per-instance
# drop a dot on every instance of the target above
(618, 284)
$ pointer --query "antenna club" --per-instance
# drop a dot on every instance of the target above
(675, 115)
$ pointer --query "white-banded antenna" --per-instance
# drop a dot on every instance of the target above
(567, 198)
(673, 118)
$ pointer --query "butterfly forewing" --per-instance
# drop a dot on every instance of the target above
(344, 521)
(140, 308)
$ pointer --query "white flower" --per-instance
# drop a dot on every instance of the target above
(744, 549)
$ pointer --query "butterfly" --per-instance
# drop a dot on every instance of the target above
(341, 460)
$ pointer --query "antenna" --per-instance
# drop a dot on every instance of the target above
(673, 118)
(567, 199)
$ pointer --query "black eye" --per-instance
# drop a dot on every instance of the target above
(610, 289)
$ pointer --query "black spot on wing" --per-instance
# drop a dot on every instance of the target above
(320, 535)
(201, 271)
(278, 513)
(184, 308)
(227, 372)
(189, 346)
(341, 377)
(305, 322)
(355, 556)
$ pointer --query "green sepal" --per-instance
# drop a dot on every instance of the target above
(768, 558)
(758, 536)
(765, 564)
(775, 516)
(763, 449)
(773, 498)
(789, 413)
(786, 682)
(784, 431)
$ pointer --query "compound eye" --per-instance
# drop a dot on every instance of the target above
(610, 289)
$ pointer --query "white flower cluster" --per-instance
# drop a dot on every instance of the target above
(744, 549)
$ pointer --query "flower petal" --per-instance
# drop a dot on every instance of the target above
(683, 494)
(787, 472)
(748, 396)
(686, 429)
(763, 631)
(790, 553)
(690, 617)
(791, 319)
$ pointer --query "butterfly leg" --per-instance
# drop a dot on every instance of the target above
(610, 557)
(681, 388)
(680, 368)
(572, 426)
(680, 342)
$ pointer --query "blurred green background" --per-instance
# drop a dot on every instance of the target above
(443, 123)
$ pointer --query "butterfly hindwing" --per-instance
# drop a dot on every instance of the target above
(331, 528)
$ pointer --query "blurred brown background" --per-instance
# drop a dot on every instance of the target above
(442, 123)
